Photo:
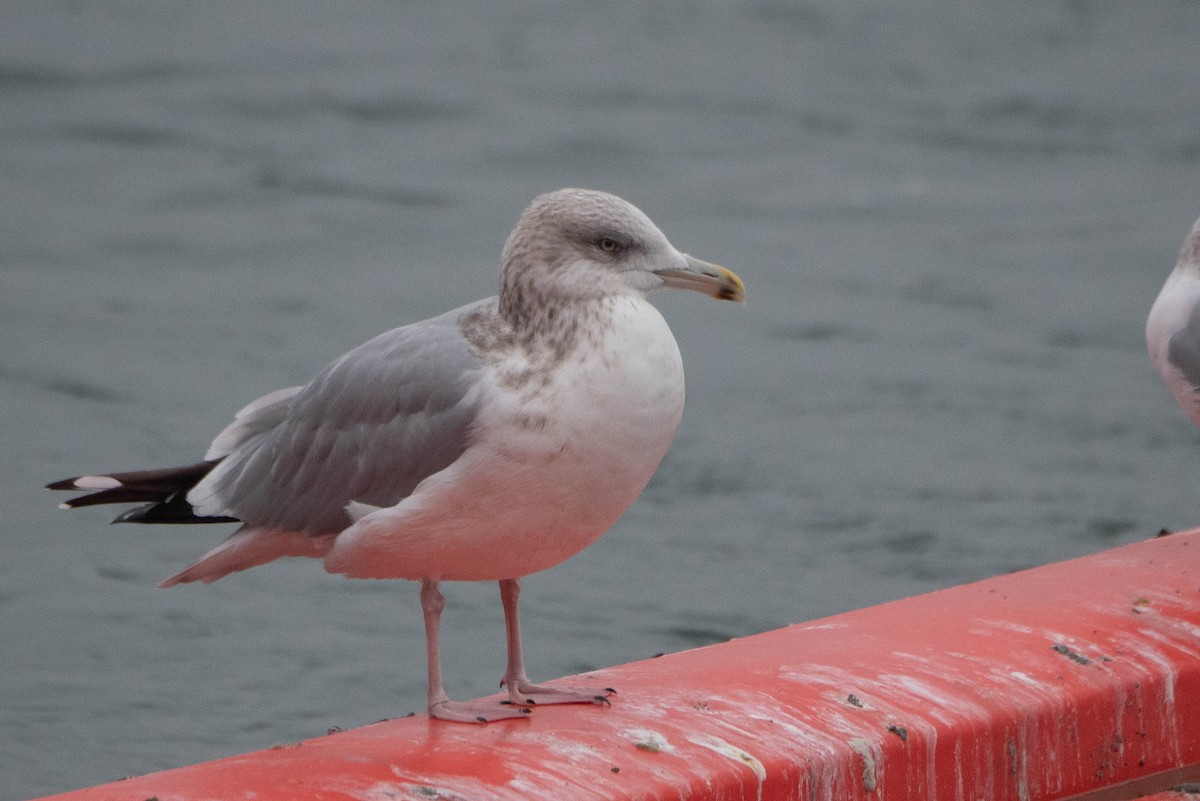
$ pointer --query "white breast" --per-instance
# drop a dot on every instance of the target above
(548, 471)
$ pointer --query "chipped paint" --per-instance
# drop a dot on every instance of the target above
(649, 741)
(871, 760)
(719, 746)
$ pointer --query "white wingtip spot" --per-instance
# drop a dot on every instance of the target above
(64, 506)
(96, 483)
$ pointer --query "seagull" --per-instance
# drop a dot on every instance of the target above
(488, 443)
(1173, 328)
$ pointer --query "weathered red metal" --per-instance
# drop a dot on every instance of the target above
(1046, 684)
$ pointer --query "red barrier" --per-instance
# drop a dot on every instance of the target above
(1078, 679)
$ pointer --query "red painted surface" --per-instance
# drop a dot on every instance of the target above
(1045, 684)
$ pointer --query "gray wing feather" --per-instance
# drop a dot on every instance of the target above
(261, 415)
(1183, 349)
(369, 428)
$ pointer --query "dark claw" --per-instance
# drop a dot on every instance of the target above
(602, 699)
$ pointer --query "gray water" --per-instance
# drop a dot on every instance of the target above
(952, 219)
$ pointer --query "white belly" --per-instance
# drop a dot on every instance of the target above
(547, 473)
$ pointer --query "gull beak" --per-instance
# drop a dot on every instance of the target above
(711, 279)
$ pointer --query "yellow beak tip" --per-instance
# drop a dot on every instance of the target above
(735, 289)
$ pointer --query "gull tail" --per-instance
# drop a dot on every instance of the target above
(163, 493)
(249, 547)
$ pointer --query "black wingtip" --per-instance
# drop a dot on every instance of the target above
(133, 515)
(175, 510)
(162, 493)
(115, 495)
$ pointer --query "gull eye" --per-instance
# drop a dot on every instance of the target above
(608, 244)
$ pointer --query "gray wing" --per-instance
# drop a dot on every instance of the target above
(369, 428)
(257, 417)
(1183, 349)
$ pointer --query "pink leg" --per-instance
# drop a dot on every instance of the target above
(440, 706)
(522, 692)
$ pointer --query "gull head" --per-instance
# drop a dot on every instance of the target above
(580, 244)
